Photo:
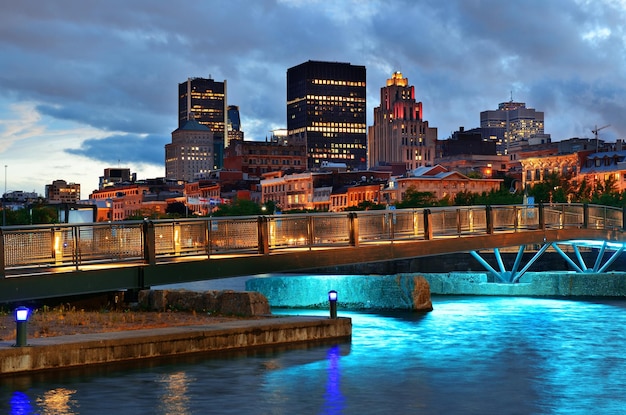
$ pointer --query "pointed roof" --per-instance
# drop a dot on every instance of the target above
(193, 125)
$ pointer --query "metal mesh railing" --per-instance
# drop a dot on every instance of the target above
(329, 229)
(26, 247)
(123, 241)
(234, 234)
(287, 231)
(604, 217)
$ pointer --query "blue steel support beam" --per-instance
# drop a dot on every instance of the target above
(581, 261)
(496, 252)
(615, 255)
(515, 278)
(566, 258)
(488, 267)
(518, 259)
(598, 262)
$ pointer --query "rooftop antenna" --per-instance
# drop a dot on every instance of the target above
(511, 96)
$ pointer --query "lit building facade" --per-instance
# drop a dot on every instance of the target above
(205, 100)
(538, 169)
(326, 107)
(113, 176)
(512, 123)
(438, 181)
(190, 154)
(61, 191)
(399, 133)
(599, 168)
(255, 158)
(120, 201)
(202, 197)
(323, 191)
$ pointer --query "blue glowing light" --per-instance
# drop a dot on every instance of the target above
(22, 313)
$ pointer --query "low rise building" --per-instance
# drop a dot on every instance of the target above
(61, 191)
(440, 182)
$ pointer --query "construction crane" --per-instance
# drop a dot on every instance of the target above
(595, 133)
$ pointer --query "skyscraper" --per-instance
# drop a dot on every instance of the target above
(205, 100)
(399, 134)
(233, 125)
(513, 123)
(326, 107)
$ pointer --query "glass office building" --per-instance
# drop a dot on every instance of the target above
(326, 106)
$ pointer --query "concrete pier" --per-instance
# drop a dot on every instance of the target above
(100, 348)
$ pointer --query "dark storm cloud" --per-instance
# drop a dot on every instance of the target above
(128, 148)
(115, 65)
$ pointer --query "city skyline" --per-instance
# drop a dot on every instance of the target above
(89, 86)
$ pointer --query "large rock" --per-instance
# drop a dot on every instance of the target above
(219, 302)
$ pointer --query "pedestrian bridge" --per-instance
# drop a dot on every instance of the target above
(42, 261)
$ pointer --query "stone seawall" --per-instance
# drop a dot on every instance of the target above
(355, 291)
(409, 291)
(532, 284)
(99, 348)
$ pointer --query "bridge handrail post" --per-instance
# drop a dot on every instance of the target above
(458, 222)
(2, 260)
(207, 237)
(310, 227)
(263, 232)
(149, 242)
(624, 218)
(585, 215)
(542, 217)
(489, 219)
(353, 228)
(428, 225)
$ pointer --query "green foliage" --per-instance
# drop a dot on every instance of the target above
(414, 199)
(239, 207)
(176, 210)
(35, 215)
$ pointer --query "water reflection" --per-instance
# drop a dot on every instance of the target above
(333, 399)
(174, 398)
(20, 404)
(58, 401)
(468, 356)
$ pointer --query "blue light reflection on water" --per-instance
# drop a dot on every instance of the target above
(470, 355)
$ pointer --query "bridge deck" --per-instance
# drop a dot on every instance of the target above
(250, 245)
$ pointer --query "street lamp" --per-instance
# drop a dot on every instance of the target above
(332, 300)
(21, 320)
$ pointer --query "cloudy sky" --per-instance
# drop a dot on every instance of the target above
(86, 85)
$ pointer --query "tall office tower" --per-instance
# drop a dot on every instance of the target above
(190, 154)
(205, 100)
(513, 123)
(233, 125)
(326, 108)
(399, 134)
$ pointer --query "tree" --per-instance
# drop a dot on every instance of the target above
(414, 199)
(239, 207)
(176, 210)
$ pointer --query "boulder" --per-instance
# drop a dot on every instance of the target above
(243, 303)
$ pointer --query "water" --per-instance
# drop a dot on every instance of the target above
(471, 355)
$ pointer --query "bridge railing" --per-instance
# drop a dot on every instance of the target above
(162, 240)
